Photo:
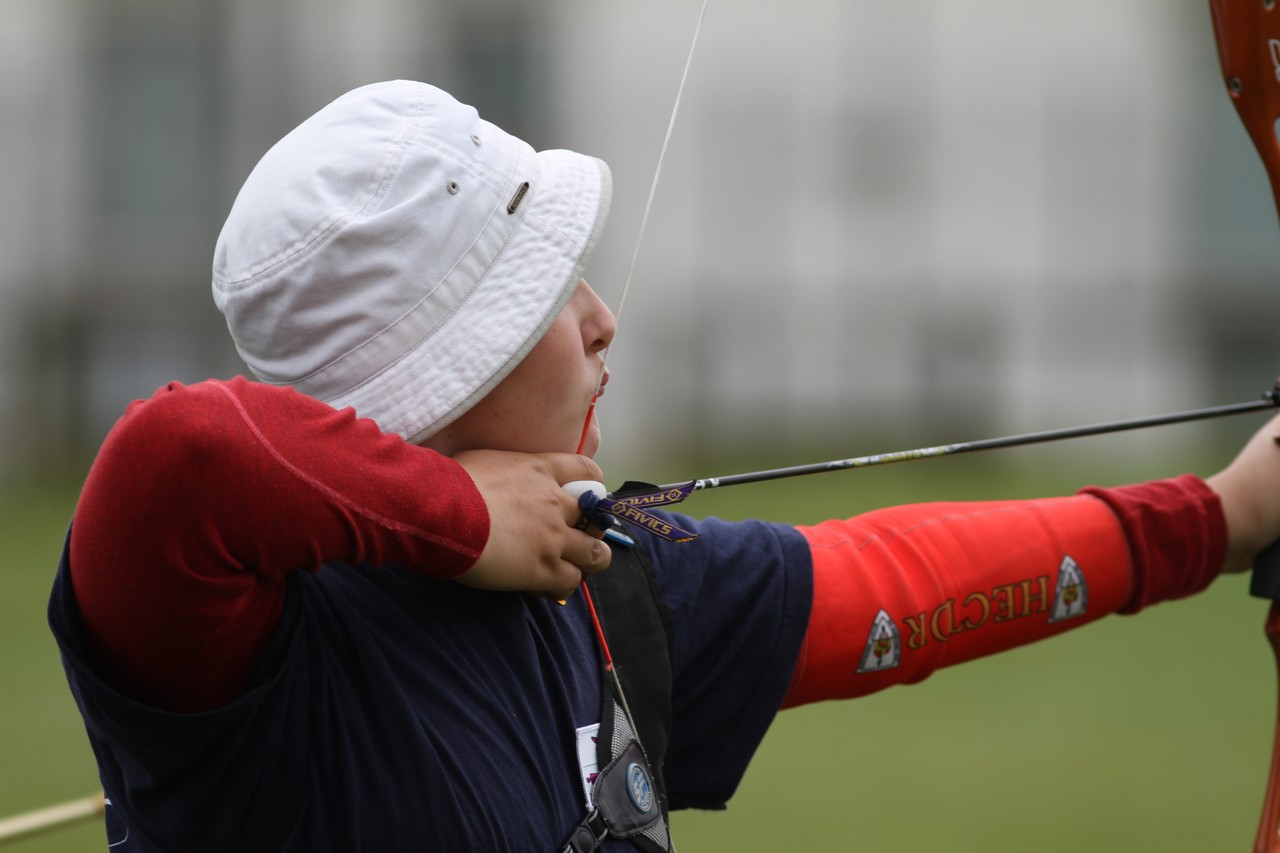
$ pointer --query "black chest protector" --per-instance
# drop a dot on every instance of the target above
(629, 794)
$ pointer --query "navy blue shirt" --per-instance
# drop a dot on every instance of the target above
(393, 712)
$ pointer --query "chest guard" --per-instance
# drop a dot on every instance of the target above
(629, 793)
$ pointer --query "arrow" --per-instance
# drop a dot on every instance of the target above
(644, 494)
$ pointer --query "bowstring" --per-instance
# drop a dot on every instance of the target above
(644, 217)
(617, 314)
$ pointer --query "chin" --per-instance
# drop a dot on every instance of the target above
(591, 446)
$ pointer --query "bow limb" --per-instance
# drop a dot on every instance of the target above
(1248, 36)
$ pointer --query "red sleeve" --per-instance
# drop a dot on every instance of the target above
(900, 592)
(204, 498)
(1177, 535)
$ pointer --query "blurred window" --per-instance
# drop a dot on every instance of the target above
(152, 120)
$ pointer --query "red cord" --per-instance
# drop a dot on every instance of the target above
(586, 593)
(595, 621)
(586, 424)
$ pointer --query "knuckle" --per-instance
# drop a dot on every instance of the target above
(597, 557)
(601, 554)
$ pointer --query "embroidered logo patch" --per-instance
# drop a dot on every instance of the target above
(1070, 592)
(638, 787)
(884, 645)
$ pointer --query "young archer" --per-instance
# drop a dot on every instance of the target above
(296, 613)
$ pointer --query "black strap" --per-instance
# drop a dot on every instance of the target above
(638, 630)
(588, 835)
(629, 793)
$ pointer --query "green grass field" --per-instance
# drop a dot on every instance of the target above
(1135, 734)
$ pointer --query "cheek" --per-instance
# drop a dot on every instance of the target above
(545, 391)
(552, 372)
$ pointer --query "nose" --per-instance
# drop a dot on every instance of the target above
(600, 325)
(607, 329)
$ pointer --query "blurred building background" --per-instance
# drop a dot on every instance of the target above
(878, 217)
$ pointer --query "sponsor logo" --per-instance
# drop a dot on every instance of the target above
(670, 496)
(1005, 603)
(638, 787)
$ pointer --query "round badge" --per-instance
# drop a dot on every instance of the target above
(638, 787)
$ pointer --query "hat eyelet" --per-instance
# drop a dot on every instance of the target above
(475, 138)
(452, 187)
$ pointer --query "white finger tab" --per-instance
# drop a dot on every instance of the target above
(578, 487)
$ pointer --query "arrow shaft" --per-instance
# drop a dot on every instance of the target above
(1269, 400)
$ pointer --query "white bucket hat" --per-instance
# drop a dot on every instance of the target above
(398, 254)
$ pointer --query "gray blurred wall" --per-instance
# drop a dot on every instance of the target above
(968, 214)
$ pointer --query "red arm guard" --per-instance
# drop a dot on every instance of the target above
(900, 592)
(204, 498)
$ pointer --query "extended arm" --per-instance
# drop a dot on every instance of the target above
(900, 592)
